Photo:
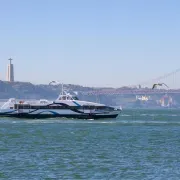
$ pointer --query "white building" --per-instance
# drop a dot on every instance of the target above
(10, 71)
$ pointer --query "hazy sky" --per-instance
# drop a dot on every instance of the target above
(90, 42)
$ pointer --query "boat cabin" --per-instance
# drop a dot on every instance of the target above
(67, 97)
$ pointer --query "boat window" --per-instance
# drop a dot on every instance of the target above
(63, 97)
(69, 98)
(21, 106)
(108, 108)
(89, 107)
(43, 101)
(75, 98)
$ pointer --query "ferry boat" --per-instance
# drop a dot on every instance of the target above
(66, 105)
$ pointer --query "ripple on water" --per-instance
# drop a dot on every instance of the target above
(123, 148)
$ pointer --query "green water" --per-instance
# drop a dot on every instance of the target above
(139, 144)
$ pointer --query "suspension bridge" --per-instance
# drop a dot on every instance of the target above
(145, 88)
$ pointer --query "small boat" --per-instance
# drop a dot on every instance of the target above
(66, 105)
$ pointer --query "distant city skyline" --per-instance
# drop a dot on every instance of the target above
(91, 43)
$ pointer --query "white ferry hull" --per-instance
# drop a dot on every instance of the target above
(39, 114)
(65, 106)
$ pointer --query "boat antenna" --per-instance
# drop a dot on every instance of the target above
(57, 83)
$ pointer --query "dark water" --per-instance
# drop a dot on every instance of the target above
(140, 144)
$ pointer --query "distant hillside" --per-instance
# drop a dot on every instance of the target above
(26, 90)
(30, 91)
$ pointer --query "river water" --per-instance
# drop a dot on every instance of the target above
(139, 144)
